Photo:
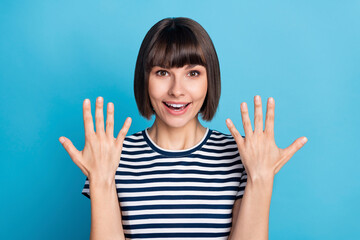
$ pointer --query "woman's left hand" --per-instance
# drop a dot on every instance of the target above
(258, 151)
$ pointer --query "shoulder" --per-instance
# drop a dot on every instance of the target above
(135, 134)
(134, 138)
(218, 135)
(219, 138)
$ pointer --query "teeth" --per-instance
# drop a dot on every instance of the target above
(176, 105)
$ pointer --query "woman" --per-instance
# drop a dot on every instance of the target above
(178, 179)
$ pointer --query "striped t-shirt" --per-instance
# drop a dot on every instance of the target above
(178, 194)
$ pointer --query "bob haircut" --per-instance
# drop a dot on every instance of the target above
(175, 42)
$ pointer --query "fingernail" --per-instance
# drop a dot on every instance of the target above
(257, 98)
(87, 101)
(228, 121)
(62, 140)
(271, 100)
(110, 106)
(100, 99)
(244, 106)
(304, 140)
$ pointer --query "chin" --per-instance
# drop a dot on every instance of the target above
(176, 124)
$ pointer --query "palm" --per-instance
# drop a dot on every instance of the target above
(101, 154)
(258, 150)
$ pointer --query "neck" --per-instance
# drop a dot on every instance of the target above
(176, 138)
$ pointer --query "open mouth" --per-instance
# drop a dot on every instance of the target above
(176, 107)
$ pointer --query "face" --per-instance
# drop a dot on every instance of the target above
(177, 94)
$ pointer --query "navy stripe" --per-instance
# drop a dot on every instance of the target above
(123, 173)
(137, 152)
(189, 156)
(176, 197)
(177, 235)
(134, 146)
(181, 188)
(180, 225)
(204, 180)
(177, 215)
(181, 163)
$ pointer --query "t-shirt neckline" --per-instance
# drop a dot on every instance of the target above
(168, 152)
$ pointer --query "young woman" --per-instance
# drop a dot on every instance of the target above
(179, 179)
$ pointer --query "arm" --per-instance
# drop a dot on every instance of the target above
(235, 213)
(253, 214)
(99, 161)
(262, 159)
(106, 222)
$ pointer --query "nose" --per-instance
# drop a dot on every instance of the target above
(176, 89)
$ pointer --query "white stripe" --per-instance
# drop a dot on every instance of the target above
(220, 147)
(220, 136)
(135, 137)
(134, 143)
(136, 149)
(179, 167)
(177, 193)
(177, 230)
(211, 154)
(182, 184)
(175, 202)
(179, 220)
(221, 141)
(176, 211)
(182, 175)
(178, 159)
(143, 155)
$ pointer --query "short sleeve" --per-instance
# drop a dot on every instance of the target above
(86, 189)
(242, 185)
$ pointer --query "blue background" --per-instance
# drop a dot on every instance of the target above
(305, 54)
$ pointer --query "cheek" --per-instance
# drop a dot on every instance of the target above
(156, 89)
(198, 90)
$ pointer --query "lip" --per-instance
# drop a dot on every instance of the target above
(176, 113)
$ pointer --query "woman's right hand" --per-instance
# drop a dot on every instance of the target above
(101, 155)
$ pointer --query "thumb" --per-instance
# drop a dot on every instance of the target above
(295, 146)
(72, 151)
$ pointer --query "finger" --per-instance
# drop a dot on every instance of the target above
(122, 134)
(293, 148)
(88, 120)
(258, 119)
(99, 116)
(110, 120)
(270, 115)
(234, 132)
(74, 154)
(246, 120)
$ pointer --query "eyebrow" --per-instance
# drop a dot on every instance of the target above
(191, 66)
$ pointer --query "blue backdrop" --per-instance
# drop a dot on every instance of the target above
(54, 54)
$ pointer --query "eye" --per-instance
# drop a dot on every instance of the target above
(194, 73)
(161, 73)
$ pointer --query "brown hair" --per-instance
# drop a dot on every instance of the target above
(175, 42)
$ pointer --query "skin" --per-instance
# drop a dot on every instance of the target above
(262, 160)
(98, 161)
(186, 84)
(100, 157)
